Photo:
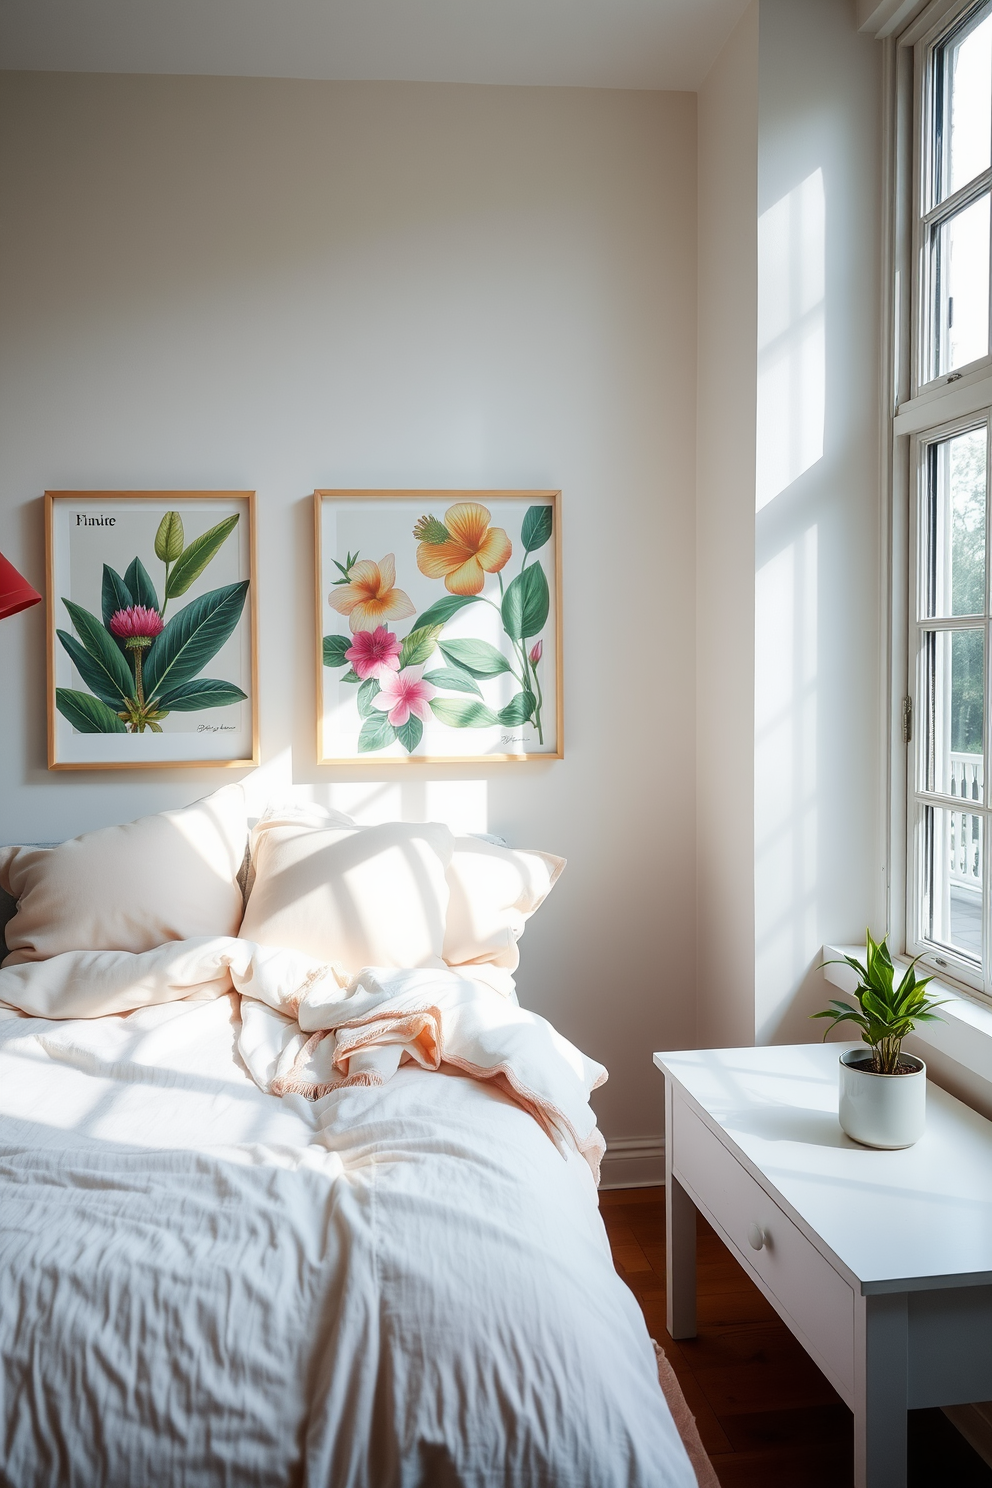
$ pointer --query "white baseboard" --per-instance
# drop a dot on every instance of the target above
(975, 1424)
(634, 1162)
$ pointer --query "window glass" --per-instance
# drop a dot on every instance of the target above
(963, 78)
(953, 869)
(952, 701)
(954, 578)
(954, 661)
(960, 278)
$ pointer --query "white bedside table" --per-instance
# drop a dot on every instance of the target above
(879, 1262)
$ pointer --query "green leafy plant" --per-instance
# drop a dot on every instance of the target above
(138, 666)
(885, 1013)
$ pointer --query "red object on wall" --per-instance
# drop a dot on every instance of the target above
(15, 591)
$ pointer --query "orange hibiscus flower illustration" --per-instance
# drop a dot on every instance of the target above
(370, 595)
(462, 549)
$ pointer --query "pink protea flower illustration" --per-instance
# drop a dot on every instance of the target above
(137, 623)
(536, 652)
(374, 653)
(403, 693)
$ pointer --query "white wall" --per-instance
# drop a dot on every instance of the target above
(725, 454)
(277, 285)
(818, 852)
(789, 778)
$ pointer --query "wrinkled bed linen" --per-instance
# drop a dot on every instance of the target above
(201, 1284)
(309, 1027)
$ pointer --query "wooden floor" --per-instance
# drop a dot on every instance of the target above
(766, 1415)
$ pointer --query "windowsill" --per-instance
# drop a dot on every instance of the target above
(965, 1033)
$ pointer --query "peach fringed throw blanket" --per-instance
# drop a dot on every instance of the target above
(685, 1421)
(309, 1029)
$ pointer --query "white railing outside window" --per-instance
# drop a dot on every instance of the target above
(966, 835)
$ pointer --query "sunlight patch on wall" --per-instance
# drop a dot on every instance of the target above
(786, 793)
(463, 804)
(791, 339)
(368, 801)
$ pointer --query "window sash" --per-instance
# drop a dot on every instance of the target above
(925, 803)
(930, 214)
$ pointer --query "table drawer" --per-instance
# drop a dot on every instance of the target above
(816, 1302)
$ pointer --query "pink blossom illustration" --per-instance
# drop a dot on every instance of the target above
(374, 653)
(403, 693)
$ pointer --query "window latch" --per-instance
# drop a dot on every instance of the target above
(907, 719)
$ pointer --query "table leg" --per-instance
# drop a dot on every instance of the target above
(882, 1392)
(680, 1243)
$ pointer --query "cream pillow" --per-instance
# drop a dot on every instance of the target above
(493, 892)
(357, 896)
(173, 876)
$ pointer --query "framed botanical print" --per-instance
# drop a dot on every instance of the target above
(151, 629)
(438, 626)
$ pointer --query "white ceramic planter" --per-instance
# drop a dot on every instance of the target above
(882, 1110)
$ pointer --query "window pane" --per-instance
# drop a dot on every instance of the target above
(955, 709)
(952, 847)
(954, 581)
(964, 103)
(960, 266)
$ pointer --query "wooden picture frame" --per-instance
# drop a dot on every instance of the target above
(477, 575)
(118, 562)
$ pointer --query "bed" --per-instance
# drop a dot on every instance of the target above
(389, 1281)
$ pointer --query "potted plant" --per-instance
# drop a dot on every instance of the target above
(883, 1091)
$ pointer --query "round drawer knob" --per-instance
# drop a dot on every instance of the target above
(756, 1237)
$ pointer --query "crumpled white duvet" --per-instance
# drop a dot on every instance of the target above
(309, 1027)
(395, 1284)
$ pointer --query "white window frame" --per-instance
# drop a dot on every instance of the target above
(920, 409)
(925, 215)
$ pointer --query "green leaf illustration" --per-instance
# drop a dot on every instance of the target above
(419, 645)
(410, 733)
(92, 674)
(100, 647)
(115, 596)
(140, 585)
(454, 679)
(526, 603)
(169, 538)
(478, 658)
(462, 713)
(368, 690)
(88, 715)
(205, 692)
(536, 528)
(519, 709)
(351, 676)
(334, 648)
(377, 733)
(442, 610)
(192, 637)
(194, 559)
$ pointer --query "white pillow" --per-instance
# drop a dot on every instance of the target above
(173, 876)
(493, 892)
(357, 896)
